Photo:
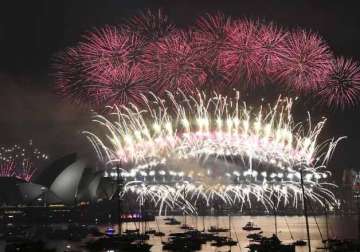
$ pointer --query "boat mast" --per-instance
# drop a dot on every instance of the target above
(275, 216)
(118, 181)
(305, 209)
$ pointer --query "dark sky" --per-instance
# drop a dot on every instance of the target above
(32, 31)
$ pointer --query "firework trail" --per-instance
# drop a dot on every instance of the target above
(70, 80)
(210, 34)
(120, 86)
(342, 89)
(270, 42)
(150, 24)
(210, 148)
(20, 161)
(173, 64)
(306, 61)
(239, 54)
(105, 50)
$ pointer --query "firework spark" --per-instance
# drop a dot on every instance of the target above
(306, 61)
(173, 64)
(342, 88)
(215, 53)
(270, 41)
(150, 25)
(104, 50)
(215, 147)
(210, 35)
(238, 56)
(120, 86)
(20, 161)
(70, 80)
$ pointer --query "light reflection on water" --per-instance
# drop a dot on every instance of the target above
(339, 227)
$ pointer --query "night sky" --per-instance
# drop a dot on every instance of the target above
(32, 31)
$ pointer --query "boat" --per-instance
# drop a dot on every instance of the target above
(250, 226)
(186, 227)
(110, 231)
(182, 244)
(271, 244)
(173, 221)
(254, 236)
(125, 242)
(299, 243)
(159, 234)
(214, 229)
(336, 245)
(131, 231)
(150, 231)
(28, 245)
(224, 241)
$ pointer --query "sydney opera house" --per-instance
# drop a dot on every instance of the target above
(66, 181)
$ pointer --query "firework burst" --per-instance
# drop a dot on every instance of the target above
(150, 24)
(239, 54)
(70, 80)
(305, 61)
(210, 35)
(20, 161)
(270, 41)
(342, 88)
(122, 85)
(173, 64)
(215, 147)
(104, 50)
(216, 53)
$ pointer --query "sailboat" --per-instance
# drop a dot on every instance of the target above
(251, 226)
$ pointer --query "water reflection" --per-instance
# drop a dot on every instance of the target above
(290, 228)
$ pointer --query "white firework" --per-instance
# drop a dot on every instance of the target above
(183, 149)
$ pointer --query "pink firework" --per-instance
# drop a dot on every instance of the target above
(20, 161)
(7, 168)
(342, 88)
(239, 54)
(172, 64)
(150, 24)
(27, 171)
(305, 61)
(106, 49)
(121, 86)
(270, 42)
(70, 80)
(210, 34)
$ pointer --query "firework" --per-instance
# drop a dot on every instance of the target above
(120, 86)
(104, 50)
(305, 61)
(342, 88)
(173, 64)
(20, 161)
(270, 41)
(239, 54)
(70, 80)
(210, 35)
(206, 148)
(216, 53)
(150, 25)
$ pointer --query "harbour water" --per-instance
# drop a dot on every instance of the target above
(289, 228)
